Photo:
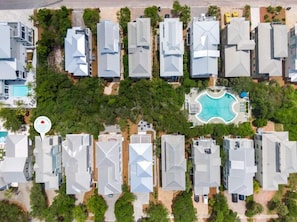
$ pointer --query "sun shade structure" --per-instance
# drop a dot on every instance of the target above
(139, 48)
(108, 41)
(78, 51)
(205, 38)
(140, 163)
(48, 161)
(171, 48)
(206, 165)
(174, 164)
(77, 159)
(109, 163)
(276, 158)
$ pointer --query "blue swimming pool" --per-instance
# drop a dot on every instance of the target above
(20, 90)
(3, 135)
(220, 107)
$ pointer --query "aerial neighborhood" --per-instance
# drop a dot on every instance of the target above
(181, 113)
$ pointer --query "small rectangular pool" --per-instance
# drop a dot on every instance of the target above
(20, 90)
(3, 135)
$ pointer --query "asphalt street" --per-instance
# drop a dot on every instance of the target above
(27, 4)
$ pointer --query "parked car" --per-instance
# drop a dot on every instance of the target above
(167, 16)
(196, 198)
(205, 199)
(234, 197)
(241, 197)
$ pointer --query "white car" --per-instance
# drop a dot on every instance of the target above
(205, 199)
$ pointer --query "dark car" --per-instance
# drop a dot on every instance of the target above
(159, 9)
(167, 16)
(241, 197)
(234, 197)
(196, 198)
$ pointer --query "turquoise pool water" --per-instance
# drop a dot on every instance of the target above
(20, 90)
(3, 135)
(216, 107)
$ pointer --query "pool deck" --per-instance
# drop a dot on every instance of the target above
(193, 106)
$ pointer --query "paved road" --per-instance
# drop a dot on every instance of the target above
(25, 4)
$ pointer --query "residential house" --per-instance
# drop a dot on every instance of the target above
(16, 40)
(78, 51)
(204, 41)
(206, 165)
(239, 169)
(237, 47)
(139, 48)
(171, 48)
(16, 165)
(174, 164)
(291, 62)
(48, 161)
(109, 163)
(141, 163)
(109, 49)
(77, 160)
(271, 49)
(276, 158)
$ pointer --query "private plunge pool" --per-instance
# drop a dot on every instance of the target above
(216, 107)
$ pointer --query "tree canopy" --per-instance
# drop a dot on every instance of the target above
(156, 212)
(124, 210)
(38, 201)
(97, 205)
(91, 18)
(152, 13)
(181, 204)
(11, 212)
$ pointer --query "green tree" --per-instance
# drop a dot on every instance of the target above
(13, 119)
(253, 208)
(11, 212)
(183, 11)
(183, 203)
(156, 212)
(124, 210)
(213, 10)
(97, 205)
(220, 210)
(91, 18)
(124, 16)
(38, 201)
(153, 14)
(80, 213)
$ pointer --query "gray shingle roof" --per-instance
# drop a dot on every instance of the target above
(108, 38)
(48, 161)
(206, 162)
(277, 158)
(139, 48)
(173, 162)
(77, 159)
(171, 48)
(205, 37)
(77, 51)
(240, 165)
(140, 163)
(109, 164)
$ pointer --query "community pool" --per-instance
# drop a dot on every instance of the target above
(20, 90)
(3, 135)
(216, 107)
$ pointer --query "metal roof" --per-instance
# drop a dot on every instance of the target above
(207, 162)
(240, 165)
(108, 41)
(171, 48)
(139, 48)
(174, 163)
(141, 163)
(77, 159)
(48, 161)
(109, 164)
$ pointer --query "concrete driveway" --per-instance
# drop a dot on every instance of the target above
(77, 18)
(110, 201)
(141, 199)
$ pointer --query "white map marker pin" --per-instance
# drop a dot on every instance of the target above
(42, 125)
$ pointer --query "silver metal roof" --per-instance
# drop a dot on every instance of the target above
(174, 163)
(206, 165)
(109, 163)
(108, 41)
(77, 159)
